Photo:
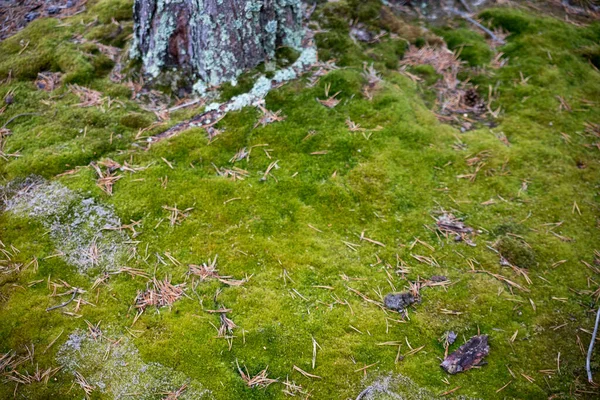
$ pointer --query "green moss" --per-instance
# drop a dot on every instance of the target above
(107, 10)
(592, 53)
(511, 20)
(386, 181)
(427, 72)
(470, 45)
(44, 46)
(135, 120)
(388, 52)
(364, 11)
(516, 251)
(338, 45)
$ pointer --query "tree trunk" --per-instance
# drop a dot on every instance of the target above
(207, 42)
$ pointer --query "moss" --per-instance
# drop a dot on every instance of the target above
(338, 45)
(592, 53)
(135, 120)
(335, 16)
(427, 72)
(386, 181)
(412, 33)
(49, 49)
(471, 46)
(509, 227)
(388, 52)
(511, 20)
(111, 34)
(107, 10)
(516, 251)
(364, 11)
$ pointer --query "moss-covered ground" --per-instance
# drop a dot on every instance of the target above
(535, 197)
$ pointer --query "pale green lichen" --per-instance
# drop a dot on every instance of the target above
(397, 387)
(199, 88)
(116, 369)
(86, 233)
(263, 85)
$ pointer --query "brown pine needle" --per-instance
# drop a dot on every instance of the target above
(259, 380)
(232, 199)
(414, 351)
(167, 162)
(576, 207)
(316, 229)
(306, 373)
(450, 391)
(504, 279)
(366, 239)
(530, 379)
(366, 367)
(53, 341)
(314, 359)
(533, 305)
(504, 387)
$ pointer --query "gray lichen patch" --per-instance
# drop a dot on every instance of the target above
(85, 232)
(115, 368)
(397, 387)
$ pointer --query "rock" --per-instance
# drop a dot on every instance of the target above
(31, 16)
(361, 34)
(9, 99)
(451, 337)
(398, 301)
(467, 356)
(53, 10)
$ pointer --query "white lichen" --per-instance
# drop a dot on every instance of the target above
(263, 85)
(397, 387)
(83, 231)
(116, 369)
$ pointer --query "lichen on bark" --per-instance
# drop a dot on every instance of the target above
(207, 42)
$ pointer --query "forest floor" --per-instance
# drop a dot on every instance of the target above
(251, 259)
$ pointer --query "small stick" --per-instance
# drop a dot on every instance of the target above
(450, 391)
(466, 6)
(189, 103)
(477, 24)
(66, 303)
(591, 348)
(17, 116)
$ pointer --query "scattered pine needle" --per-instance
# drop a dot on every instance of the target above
(308, 375)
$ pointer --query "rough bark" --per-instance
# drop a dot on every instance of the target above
(207, 42)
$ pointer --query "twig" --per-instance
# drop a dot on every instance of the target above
(477, 24)
(189, 103)
(17, 116)
(591, 348)
(66, 303)
(465, 5)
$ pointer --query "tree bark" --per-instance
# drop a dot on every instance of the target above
(207, 42)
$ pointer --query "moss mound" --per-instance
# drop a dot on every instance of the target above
(516, 251)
